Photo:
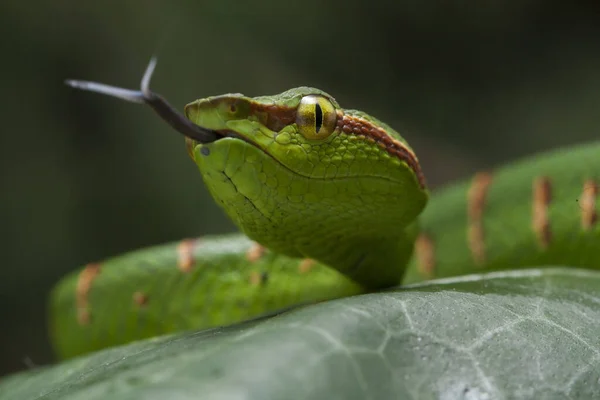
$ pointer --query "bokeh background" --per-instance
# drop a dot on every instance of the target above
(469, 84)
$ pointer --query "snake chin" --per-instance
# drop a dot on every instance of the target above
(248, 199)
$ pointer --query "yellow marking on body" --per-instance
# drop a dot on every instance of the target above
(589, 215)
(476, 199)
(140, 299)
(84, 285)
(542, 196)
(425, 253)
(255, 252)
(306, 265)
(255, 278)
(258, 278)
(185, 254)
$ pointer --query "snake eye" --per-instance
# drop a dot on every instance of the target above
(316, 117)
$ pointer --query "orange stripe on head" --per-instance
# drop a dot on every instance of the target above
(352, 125)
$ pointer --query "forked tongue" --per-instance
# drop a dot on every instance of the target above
(176, 119)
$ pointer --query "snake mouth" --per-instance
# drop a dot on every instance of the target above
(228, 133)
(217, 135)
(192, 142)
(220, 134)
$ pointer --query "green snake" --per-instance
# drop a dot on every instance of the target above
(330, 202)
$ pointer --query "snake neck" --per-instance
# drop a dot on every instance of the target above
(373, 262)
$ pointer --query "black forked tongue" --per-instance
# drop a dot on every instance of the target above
(176, 119)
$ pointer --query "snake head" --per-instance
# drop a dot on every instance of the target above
(302, 176)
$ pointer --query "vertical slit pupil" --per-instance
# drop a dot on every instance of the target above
(318, 117)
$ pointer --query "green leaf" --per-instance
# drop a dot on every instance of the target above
(526, 334)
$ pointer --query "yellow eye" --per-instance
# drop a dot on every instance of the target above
(316, 117)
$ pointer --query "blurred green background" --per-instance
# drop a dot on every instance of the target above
(469, 84)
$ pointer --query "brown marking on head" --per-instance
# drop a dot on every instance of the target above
(425, 253)
(255, 252)
(353, 125)
(84, 285)
(185, 254)
(276, 117)
(589, 215)
(306, 265)
(540, 223)
(273, 116)
(140, 299)
(259, 278)
(476, 199)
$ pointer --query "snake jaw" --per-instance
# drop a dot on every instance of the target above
(191, 144)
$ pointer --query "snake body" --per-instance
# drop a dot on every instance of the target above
(330, 202)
